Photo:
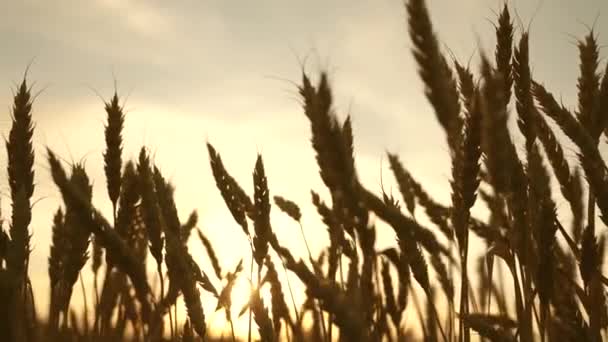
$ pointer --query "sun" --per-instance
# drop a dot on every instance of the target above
(239, 296)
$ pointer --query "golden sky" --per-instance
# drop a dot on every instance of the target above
(223, 71)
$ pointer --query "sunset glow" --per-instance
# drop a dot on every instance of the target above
(319, 103)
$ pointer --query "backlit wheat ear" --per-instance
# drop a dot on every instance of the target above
(588, 80)
(236, 199)
(59, 249)
(524, 102)
(404, 181)
(555, 155)
(411, 189)
(129, 197)
(504, 50)
(181, 267)
(211, 253)
(589, 156)
(127, 207)
(121, 255)
(466, 85)
(443, 276)
(113, 154)
(78, 229)
(261, 209)
(495, 136)
(440, 86)
(279, 307)
(465, 182)
(504, 168)
(389, 295)
(465, 171)
(288, 207)
(405, 227)
(150, 209)
(331, 141)
(178, 264)
(543, 216)
(20, 169)
(416, 261)
(225, 299)
(332, 298)
(187, 227)
(19, 144)
(336, 234)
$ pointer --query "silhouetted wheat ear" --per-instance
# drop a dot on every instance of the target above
(58, 250)
(288, 207)
(121, 255)
(113, 154)
(179, 266)
(331, 141)
(444, 278)
(128, 200)
(465, 172)
(225, 299)
(280, 311)
(19, 144)
(404, 182)
(524, 102)
(261, 213)
(215, 263)
(20, 169)
(543, 217)
(337, 241)
(504, 50)
(187, 227)
(389, 294)
(150, 207)
(58, 254)
(589, 156)
(77, 228)
(415, 260)
(466, 85)
(409, 187)
(495, 136)
(588, 80)
(20, 155)
(235, 198)
(440, 86)
(555, 155)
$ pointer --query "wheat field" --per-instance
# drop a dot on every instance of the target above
(540, 276)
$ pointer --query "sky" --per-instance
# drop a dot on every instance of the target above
(226, 72)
